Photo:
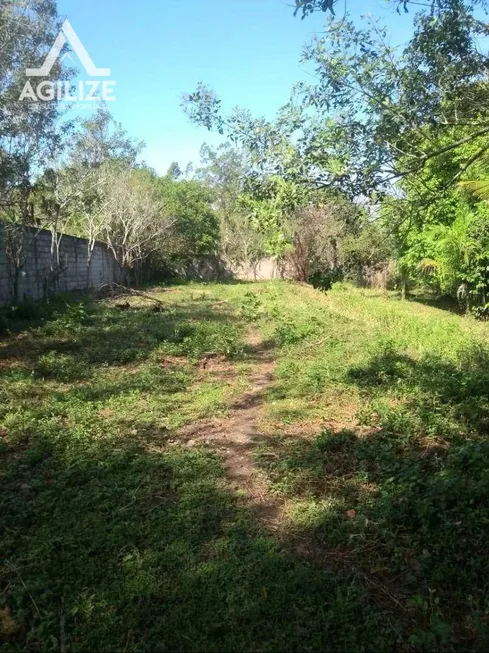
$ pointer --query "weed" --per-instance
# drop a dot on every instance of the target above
(251, 307)
(117, 536)
(61, 367)
(289, 332)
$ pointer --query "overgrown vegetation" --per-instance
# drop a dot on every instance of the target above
(365, 417)
(400, 130)
(118, 534)
(375, 172)
(378, 439)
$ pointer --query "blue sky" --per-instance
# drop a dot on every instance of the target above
(246, 50)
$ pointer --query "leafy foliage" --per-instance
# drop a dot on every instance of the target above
(405, 128)
(196, 228)
(28, 130)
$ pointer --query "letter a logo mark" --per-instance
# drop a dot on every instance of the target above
(68, 35)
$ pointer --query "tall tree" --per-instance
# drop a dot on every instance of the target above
(374, 115)
(225, 171)
(135, 222)
(196, 226)
(29, 130)
(101, 138)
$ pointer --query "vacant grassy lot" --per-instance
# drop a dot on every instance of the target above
(363, 519)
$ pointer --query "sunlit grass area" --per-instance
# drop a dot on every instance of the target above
(115, 535)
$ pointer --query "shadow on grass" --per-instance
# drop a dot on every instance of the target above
(115, 538)
(119, 545)
(444, 303)
(73, 344)
(30, 314)
(442, 398)
(403, 501)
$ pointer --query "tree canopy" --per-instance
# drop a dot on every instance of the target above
(404, 130)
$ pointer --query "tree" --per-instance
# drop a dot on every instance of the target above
(271, 203)
(29, 129)
(224, 171)
(134, 222)
(307, 7)
(74, 187)
(316, 232)
(102, 139)
(196, 226)
(398, 128)
(174, 171)
(374, 116)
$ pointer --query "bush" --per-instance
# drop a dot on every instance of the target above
(251, 307)
(324, 280)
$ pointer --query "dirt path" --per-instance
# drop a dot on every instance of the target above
(237, 436)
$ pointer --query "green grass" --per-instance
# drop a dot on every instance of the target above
(395, 483)
(115, 536)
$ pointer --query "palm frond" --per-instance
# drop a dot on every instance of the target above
(478, 188)
(428, 266)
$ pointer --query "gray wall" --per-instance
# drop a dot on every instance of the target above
(265, 269)
(211, 268)
(37, 278)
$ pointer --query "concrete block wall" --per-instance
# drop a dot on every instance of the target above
(264, 270)
(211, 268)
(37, 278)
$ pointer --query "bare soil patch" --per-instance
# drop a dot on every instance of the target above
(236, 436)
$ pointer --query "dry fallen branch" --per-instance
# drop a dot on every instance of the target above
(115, 291)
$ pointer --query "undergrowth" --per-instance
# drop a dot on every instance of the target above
(114, 535)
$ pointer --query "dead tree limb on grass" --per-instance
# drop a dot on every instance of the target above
(115, 291)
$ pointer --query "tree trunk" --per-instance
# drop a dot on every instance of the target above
(404, 286)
